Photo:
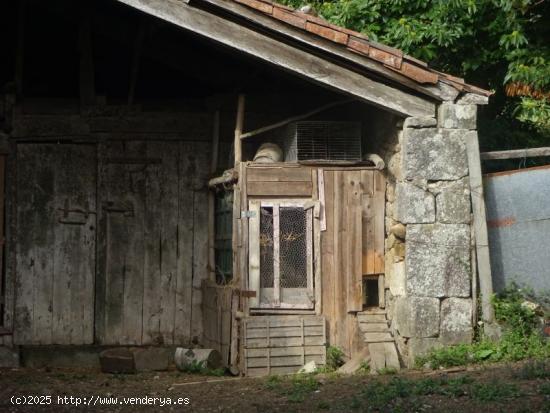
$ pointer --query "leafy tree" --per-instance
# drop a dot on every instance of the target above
(503, 45)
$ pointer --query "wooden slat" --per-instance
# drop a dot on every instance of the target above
(284, 321)
(286, 342)
(284, 361)
(367, 179)
(309, 255)
(279, 174)
(184, 264)
(317, 261)
(378, 337)
(340, 263)
(201, 158)
(276, 257)
(371, 318)
(286, 351)
(354, 242)
(254, 252)
(280, 189)
(285, 332)
(328, 274)
(379, 203)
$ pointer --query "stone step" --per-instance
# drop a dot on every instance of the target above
(371, 318)
(374, 327)
(378, 337)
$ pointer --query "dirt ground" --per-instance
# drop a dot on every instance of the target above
(502, 388)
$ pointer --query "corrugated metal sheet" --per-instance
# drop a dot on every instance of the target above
(518, 220)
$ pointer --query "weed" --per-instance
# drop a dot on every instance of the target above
(534, 369)
(302, 385)
(323, 405)
(198, 367)
(335, 358)
(495, 391)
(364, 367)
(521, 338)
(544, 389)
(273, 382)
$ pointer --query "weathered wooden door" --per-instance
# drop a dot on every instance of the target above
(152, 241)
(55, 253)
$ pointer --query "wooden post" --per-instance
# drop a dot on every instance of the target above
(480, 228)
(212, 200)
(87, 77)
(239, 129)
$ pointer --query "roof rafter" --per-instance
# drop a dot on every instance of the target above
(312, 67)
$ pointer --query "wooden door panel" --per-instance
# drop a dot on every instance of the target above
(55, 252)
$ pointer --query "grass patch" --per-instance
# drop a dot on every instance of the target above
(198, 367)
(495, 391)
(295, 387)
(534, 369)
(521, 338)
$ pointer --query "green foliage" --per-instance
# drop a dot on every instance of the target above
(335, 358)
(491, 43)
(494, 391)
(386, 371)
(534, 369)
(198, 367)
(520, 340)
(295, 387)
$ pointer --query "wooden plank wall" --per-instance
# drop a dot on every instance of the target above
(152, 252)
(145, 276)
(217, 318)
(354, 209)
(55, 254)
(352, 245)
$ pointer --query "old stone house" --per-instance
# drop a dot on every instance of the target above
(354, 228)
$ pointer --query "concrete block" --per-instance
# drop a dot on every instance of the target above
(434, 154)
(456, 321)
(397, 279)
(473, 99)
(414, 205)
(117, 360)
(451, 116)
(453, 203)
(420, 122)
(438, 260)
(417, 316)
(152, 358)
(419, 347)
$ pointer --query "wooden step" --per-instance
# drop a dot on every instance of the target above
(378, 337)
(374, 327)
(372, 311)
(383, 355)
(371, 318)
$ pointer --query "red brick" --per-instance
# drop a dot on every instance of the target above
(290, 18)
(358, 45)
(327, 33)
(419, 74)
(258, 5)
(387, 58)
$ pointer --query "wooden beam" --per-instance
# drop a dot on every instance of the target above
(287, 57)
(480, 228)
(294, 119)
(239, 130)
(516, 153)
(440, 91)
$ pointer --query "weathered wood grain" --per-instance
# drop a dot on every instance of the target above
(287, 189)
(278, 174)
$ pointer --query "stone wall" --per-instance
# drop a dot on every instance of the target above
(428, 217)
